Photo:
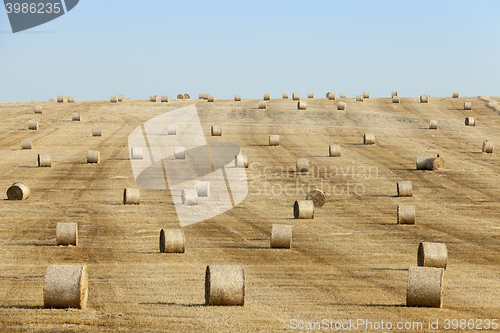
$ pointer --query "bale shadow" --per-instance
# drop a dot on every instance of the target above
(194, 305)
(26, 307)
(389, 269)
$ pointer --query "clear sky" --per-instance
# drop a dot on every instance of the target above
(152, 47)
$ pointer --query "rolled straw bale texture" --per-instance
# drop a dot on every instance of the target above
(61, 99)
(113, 99)
(186, 96)
(18, 191)
(67, 234)
(202, 188)
(433, 124)
(406, 214)
(211, 98)
(424, 98)
(172, 129)
(303, 209)
(189, 197)
(470, 121)
(120, 97)
(436, 164)
(201, 96)
(317, 197)
(180, 153)
(224, 285)
(281, 236)
(33, 125)
(241, 161)
(131, 196)
(295, 96)
(331, 96)
(421, 163)
(302, 165)
(152, 98)
(38, 109)
(94, 157)
(71, 99)
(237, 97)
(301, 105)
(52, 99)
(341, 106)
(487, 147)
(172, 241)
(44, 161)
(267, 97)
(216, 130)
(262, 105)
(395, 99)
(274, 140)
(180, 96)
(432, 255)
(164, 99)
(455, 94)
(285, 95)
(394, 93)
(136, 153)
(359, 98)
(366, 94)
(467, 105)
(425, 287)
(65, 287)
(405, 189)
(368, 139)
(342, 95)
(334, 150)
(96, 131)
(310, 95)
(26, 144)
(76, 116)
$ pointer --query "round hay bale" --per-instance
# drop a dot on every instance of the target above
(172, 129)
(342, 95)
(164, 98)
(65, 287)
(180, 153)
(303, 209)
(310, 95)
(331, 97)
(172, 241)
(295, 96)
(368, 139)
(44, 161)
(455, 94)
(240, 161)
(274, 140)
(96, 131)
(359, 98)
(487, 147)
(52, 99)
(152, 98)
(211, 98)
(394, 93)
(285, 95)
(18, 191)
(202, 188)
(405, 189)
(216, 130)
(262, 105)
(61, 99)
(201, 96)
(421, 163)
(432, 255)
(136, 153)
(433, 124)
(67, 234)
(341, 106)
(26, 144)
(366, 94)
(301, 105)
(334, 150)
(33, 125)
(470, 121)
(395, 99)
(94, 157)
(425, 287)
(317, 197)
(281, 236)
(131, 196)
(38, 109)
(189, 197)
(71, 99)
(424, 98)
(224, 285)
(467, 106)
(75, 116)
(120, 97)
(436, 164)
(406, 214)
(180, 96)
(267, 97)
(186, 96)
(113, 99)
(302, 165)
(237, 97)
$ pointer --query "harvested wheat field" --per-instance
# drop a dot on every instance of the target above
(347, 268)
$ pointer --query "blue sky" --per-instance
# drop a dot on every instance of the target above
(143, 48)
